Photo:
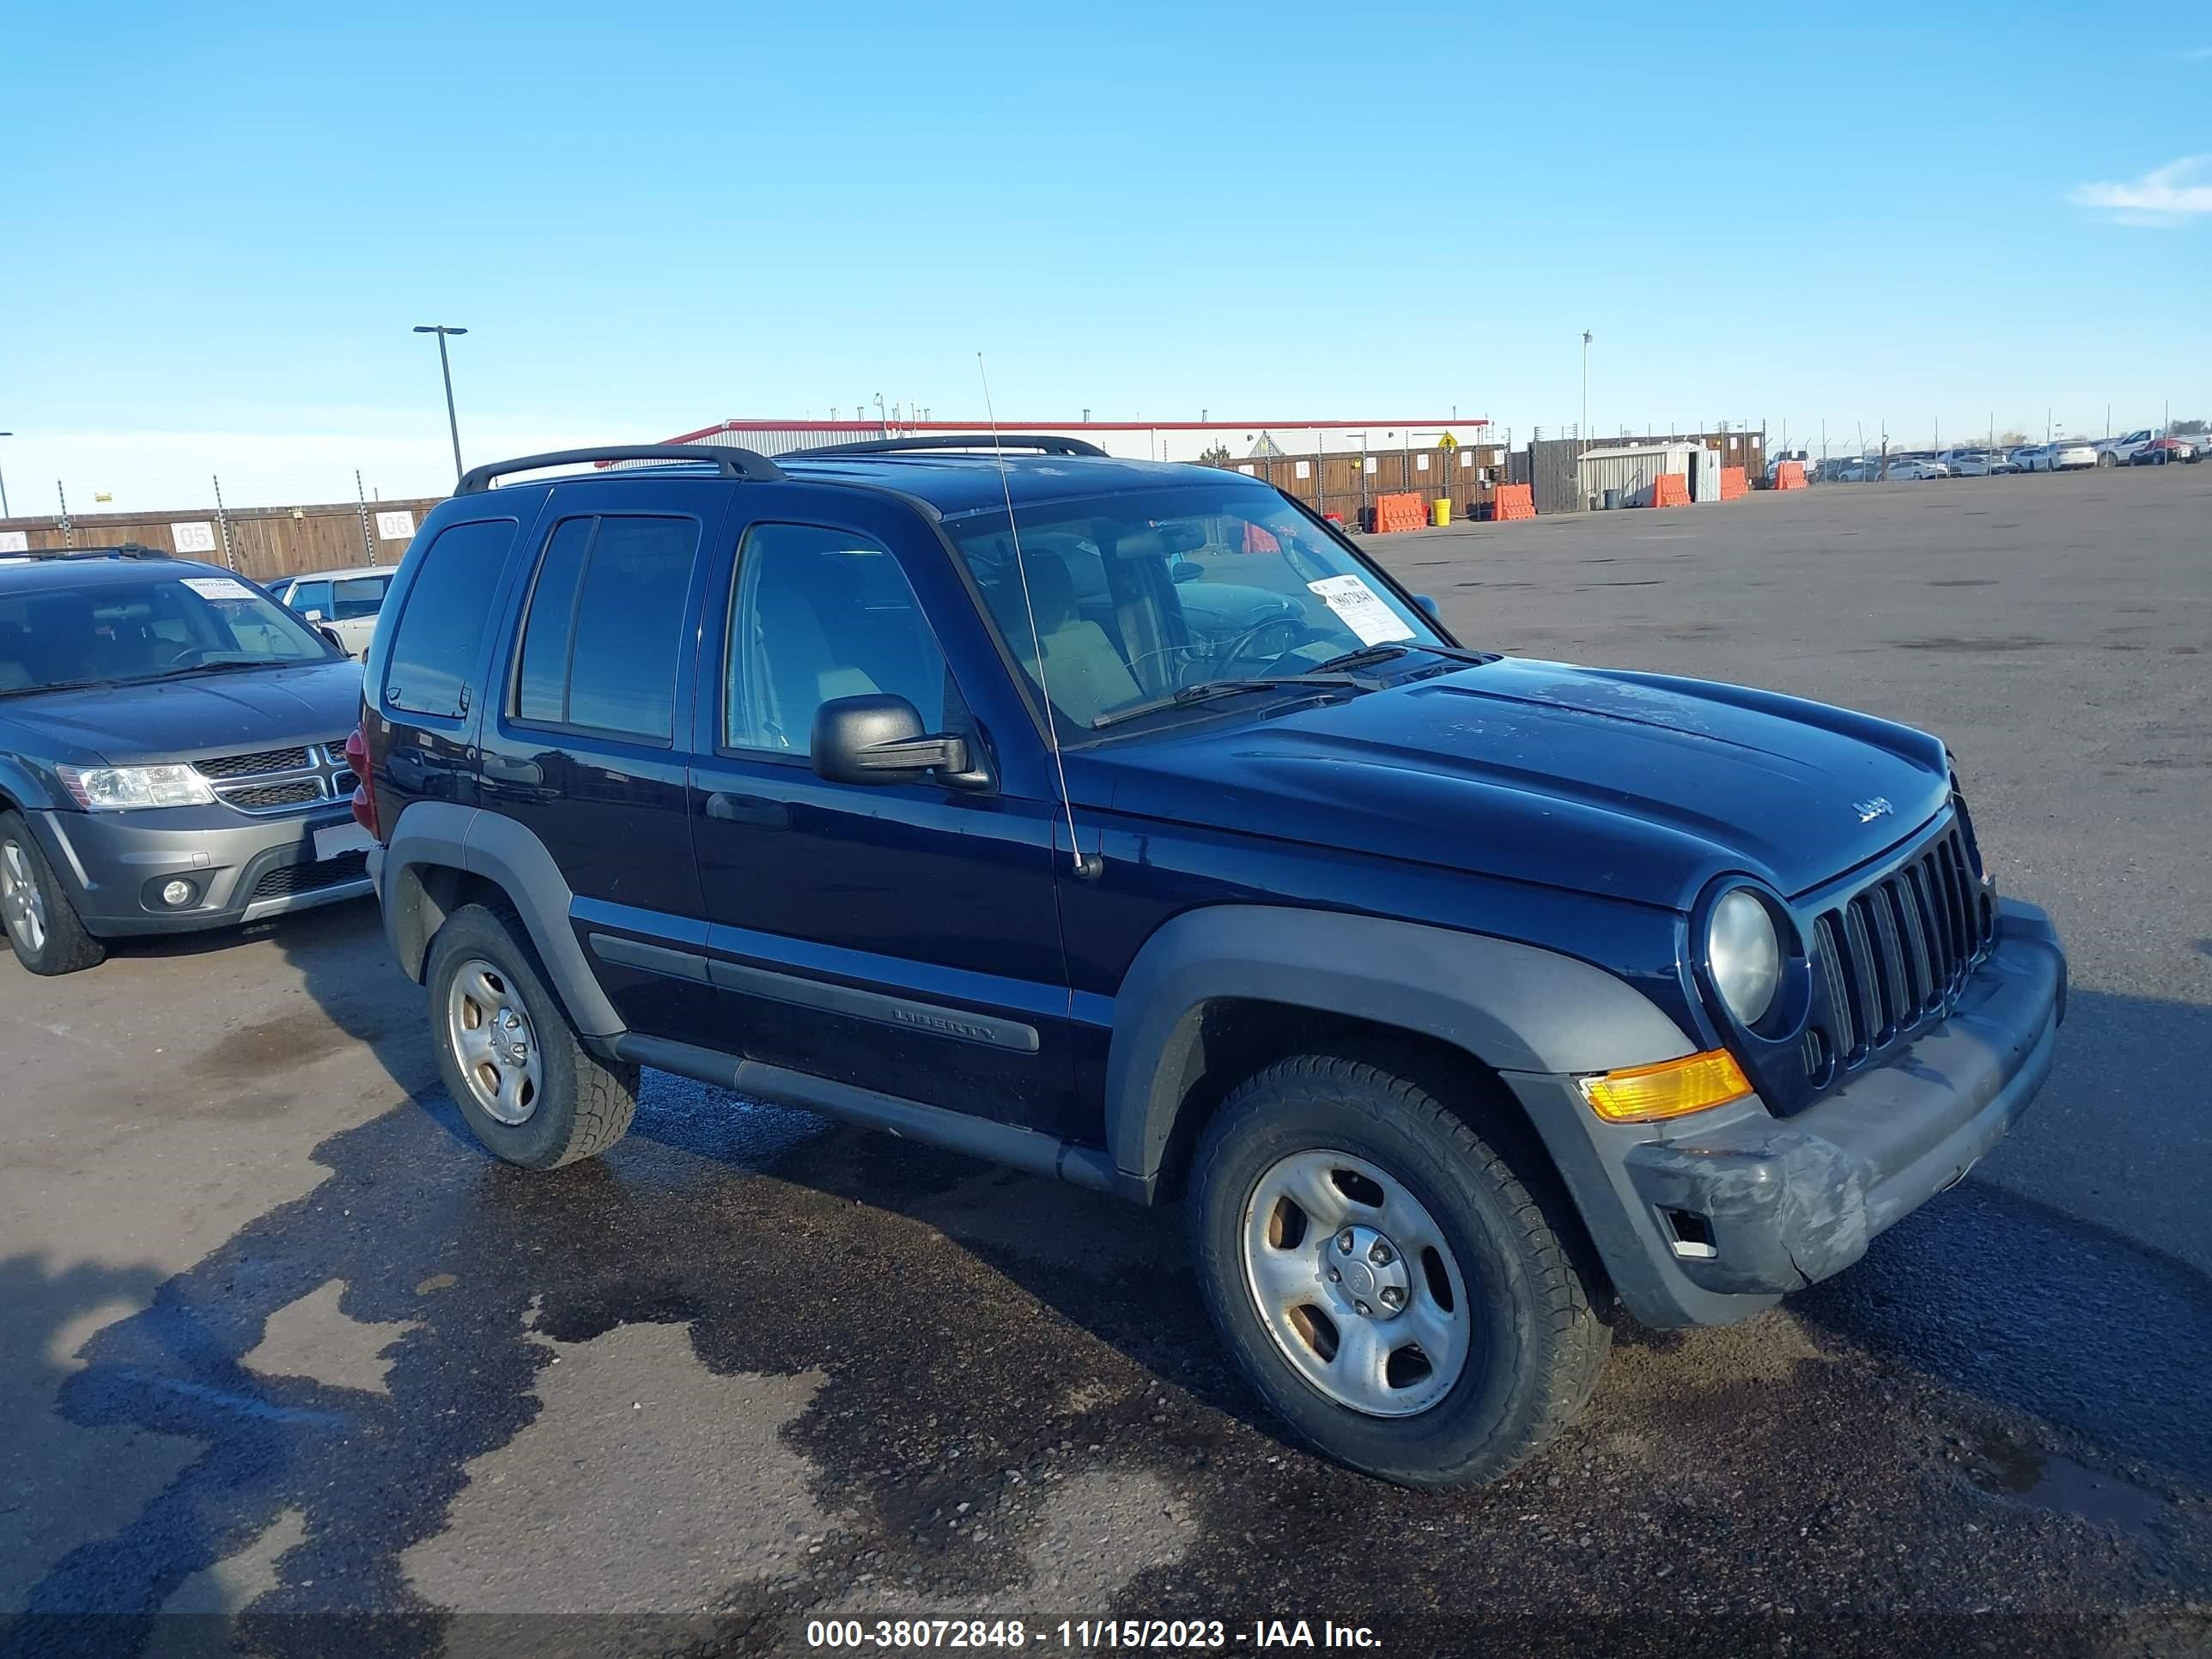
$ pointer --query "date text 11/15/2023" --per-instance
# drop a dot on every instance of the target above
(1090, 1634)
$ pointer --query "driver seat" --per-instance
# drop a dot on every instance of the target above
(1082, 672)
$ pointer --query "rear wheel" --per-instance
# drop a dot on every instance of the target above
(43, 927)
(1388, 1282)
(529, 1088)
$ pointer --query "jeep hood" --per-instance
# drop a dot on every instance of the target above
(220, 714)
(1639, 785)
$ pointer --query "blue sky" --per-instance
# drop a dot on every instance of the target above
(221, 221)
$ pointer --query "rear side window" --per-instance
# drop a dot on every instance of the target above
(442, 623)
(600, 646)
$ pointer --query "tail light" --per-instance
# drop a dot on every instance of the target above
(364, 798)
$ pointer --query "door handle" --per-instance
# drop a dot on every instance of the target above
(501, 769)
(755, 810)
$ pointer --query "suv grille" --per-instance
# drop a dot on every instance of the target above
(1897, 952)
(287, 879)
(279, 780)
(264, 760)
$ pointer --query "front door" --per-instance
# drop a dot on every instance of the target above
(903, 937)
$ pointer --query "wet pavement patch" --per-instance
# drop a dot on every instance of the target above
(2051, 1480)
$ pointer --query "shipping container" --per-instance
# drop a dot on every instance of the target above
(1630, 471)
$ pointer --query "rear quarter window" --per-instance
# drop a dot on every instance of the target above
(443, 619)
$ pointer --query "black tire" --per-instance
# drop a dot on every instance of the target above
(1538, 1303)
(583, 1105)
(65, 948)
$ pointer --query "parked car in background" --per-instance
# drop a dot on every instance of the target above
(2159, 450)
(908, 786)
(346, 601)
(172, 754)
(2112, 452)
(1907, 469)
(2075, 454)
(2030, 457)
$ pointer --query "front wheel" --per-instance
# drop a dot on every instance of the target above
(529, 1088)
(42, 926)
(1406, 1299)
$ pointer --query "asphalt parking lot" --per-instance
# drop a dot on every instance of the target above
(282, 1342)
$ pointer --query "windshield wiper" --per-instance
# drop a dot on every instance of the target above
(1368, 656)
(59, 685)
(1206, 688)
(207, 668)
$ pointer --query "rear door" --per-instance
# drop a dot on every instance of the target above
(586, 745)
(904, 937)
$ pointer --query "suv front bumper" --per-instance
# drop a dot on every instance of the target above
(241, 868)
(1737, 1207)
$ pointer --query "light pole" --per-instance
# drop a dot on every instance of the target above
(1583, 431)
(3, 485)
(445, 367)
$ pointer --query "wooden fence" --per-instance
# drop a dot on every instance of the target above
(1348, 484)
(264, 542)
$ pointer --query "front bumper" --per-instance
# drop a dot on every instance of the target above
(240, 868)
(1738, 1206)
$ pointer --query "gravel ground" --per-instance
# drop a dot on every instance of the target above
(291, 1366)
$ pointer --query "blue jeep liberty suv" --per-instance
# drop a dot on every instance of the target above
(1124, 823)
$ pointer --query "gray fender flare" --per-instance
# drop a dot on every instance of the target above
(502, 851)
(1516, 1007)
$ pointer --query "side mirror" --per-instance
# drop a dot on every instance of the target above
(1428, 605)
(1188, 570)
(878, 739)
(332, 634)
(313, 615)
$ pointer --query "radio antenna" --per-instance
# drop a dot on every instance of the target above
(1088, 866)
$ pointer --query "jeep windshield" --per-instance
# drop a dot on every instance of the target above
(159, 626)
(1152, 601)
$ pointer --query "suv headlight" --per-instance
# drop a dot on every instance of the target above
(122, 788)
(1743, 955)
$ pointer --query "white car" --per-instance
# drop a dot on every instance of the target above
(2030, 457)
(2118, 452)
(2072, 455)
(344, 601)
(1910, 468)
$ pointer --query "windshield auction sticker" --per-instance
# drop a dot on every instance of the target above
(1361, 608)
(220, 587)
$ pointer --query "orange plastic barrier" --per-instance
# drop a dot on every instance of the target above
(1400, 512)
(1671, 489)
(1733, 483)
(1790, 475)
(1513, 501)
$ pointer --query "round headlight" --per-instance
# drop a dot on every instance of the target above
(1743, 955)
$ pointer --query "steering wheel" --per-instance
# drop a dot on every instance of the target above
(1294, 631)
(177, 661)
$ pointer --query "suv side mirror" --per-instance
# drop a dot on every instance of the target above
(1428, 607)
(878, 739)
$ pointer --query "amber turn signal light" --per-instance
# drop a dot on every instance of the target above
(1645, 1094)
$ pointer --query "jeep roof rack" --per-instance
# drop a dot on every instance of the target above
(726, 459)
(120, 550)
(1044, 443)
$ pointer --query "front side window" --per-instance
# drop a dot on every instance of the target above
(441, 625)
(818, 614)
(1132, 597)
(312, 597)
(157, 627)
(599, 645)
(357, 597)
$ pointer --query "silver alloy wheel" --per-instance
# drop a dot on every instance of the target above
(22, 904)
(492, 1041)
(1353, 1280)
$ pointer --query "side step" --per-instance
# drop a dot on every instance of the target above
(1026, 1149)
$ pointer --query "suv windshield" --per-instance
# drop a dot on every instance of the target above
(1137, 597)
(109, 632)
